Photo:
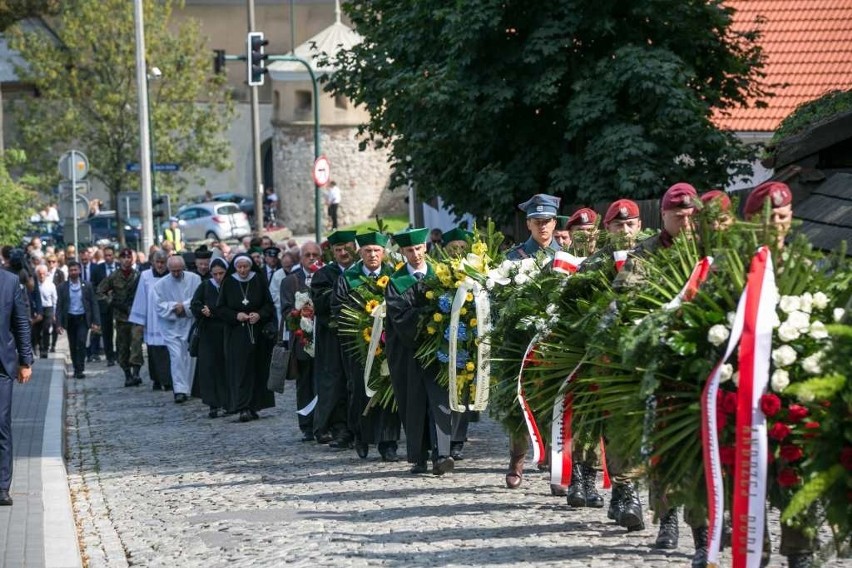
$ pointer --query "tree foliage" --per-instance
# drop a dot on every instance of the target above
(18, 201)
(86, 80)
(589, 100)
(813, 112)
(12, 11)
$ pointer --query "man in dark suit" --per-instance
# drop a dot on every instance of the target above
(100, 272)
(77, 312)
(16, 357)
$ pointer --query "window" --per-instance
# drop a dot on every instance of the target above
(341, 102)
(228, 210)
(188, 215)
(303, 101)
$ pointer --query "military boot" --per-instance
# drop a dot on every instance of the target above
(631, 516)
(128, 378)
(804, 560)
(616, 505)
(699, 539)
(137, 380)
(668, 534)
(593, 498)
(576, 490)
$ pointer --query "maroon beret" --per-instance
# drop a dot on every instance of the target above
(584, 216)
(679, 196)
(717, 195)
(621, 210)
(777, 192)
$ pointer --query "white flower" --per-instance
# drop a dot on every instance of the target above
(784, 356)
(731, 316)
(806, 303)
(489, 283)
(726, 371)
(838, 314)
(385, 368)
(818, 330)
(528, 265)
(736, 378)
(805, 395)
(780, 380)
(820, 301)
(776, 321)
(551, 309)
(799, 320)
(789, 304)
(307, 325)
(718, 334)
(788, 333)
(301, 299)
(811, 364)
(521, 278)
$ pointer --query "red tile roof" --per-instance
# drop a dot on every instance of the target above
(808, 44)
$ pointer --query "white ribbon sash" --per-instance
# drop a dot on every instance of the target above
(378, 314)
(483, 351)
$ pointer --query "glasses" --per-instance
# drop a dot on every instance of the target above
(311, 254)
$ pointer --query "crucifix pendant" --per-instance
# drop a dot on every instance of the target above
(245, 302)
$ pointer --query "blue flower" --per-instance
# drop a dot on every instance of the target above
(443, 357)
(462, 357)
(461, 335)
(445, 302)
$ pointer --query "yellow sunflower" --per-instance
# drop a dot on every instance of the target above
(469, 366)
(437, 317)
(430, 295)
(473, 322)
(382, 281)
(370, 306)
(431, 329)
(367, 334)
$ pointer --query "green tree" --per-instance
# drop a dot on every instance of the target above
(590, 100)
(86, 79)
(12, 11)
(18, 201)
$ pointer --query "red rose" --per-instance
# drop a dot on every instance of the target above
(796, 413)
(770, 404)
(295, 313)
(811, 426)
(846, 458)
(779, 431)
(729, 402)
(791, 453)
(299, 333)
(727, 455)
(787, 477)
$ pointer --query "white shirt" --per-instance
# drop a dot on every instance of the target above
(52, 214)
(332, 196)
(47, 289)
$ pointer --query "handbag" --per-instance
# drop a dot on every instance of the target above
(194, 339)
(278, 363)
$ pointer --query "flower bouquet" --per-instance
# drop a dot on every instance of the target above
(300, 322)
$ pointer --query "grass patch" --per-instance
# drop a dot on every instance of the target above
(393, 224)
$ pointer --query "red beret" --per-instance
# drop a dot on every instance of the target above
(679, 196)
(621, 210)
(584, 216)
(717, 195)
(779, 193)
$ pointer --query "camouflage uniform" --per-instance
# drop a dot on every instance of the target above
(119, 290)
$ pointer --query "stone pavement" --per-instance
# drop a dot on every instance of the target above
(160, 484)
(38, 530)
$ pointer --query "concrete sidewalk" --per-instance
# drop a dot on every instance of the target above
(38, 530)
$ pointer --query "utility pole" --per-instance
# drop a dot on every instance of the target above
(257, 177)
(144, 134)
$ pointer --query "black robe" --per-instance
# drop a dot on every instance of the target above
(380, 424)
(247, 351)
(301, 364)
(210, 368)
(424, 405)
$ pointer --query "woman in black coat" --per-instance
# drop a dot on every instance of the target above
(211, 345)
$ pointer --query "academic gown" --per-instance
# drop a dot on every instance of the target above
(301, 364)
(247, 351)
(380, 424)
(168, 292)
(210, 368)
(331, 410)
(426, 417)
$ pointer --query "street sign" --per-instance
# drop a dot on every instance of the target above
(322, 171)
(73, 168)
(133, 167)
(67, 209)
(65, 187)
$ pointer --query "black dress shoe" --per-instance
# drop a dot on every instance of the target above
(245, 416)
(254, 415)
(5, 499)
(443, 465)
(341, 443)
(43, 355)
(180, 398)
(419, 467)
(53, 349)
(324, 438)
(214, 413)
(362, 449)
(308, 436)
(79, 375)
(110, 362)
(456, 451)
(168, 387)
(156, 386)
(388, 453)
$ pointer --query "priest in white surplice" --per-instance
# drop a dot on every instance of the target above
(173, 295)
(144, 314)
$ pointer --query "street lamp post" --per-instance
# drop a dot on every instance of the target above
(153, 74)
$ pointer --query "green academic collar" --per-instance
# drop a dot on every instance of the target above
(355, 275)
(402, 280)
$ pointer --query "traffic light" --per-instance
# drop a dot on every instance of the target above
(256, 63)
(157, 201)
(218, 61)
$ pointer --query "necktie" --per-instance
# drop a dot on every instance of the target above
(109, 269)
(418, 275)
(374, 276)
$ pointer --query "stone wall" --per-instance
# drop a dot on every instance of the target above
(362, 176)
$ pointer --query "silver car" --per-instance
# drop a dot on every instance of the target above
(213, 220)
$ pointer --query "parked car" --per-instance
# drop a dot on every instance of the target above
(244, 202)
(50, 232)
(104, 228)
(213, 220)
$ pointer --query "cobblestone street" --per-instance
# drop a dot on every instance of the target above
(159, 484)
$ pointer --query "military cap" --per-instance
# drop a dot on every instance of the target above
(540, 206)
(372, 238)
(584, 216)
(719, 196)
(455, 234)
(679, 196)
(778, 194)
(254, 250)
(411, 237)
(562, 222)
(203, 252)
(272, 251)
(126, 252)
(341, 237)
(621, 210)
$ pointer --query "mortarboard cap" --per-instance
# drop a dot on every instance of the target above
(455, 234)
(411, 237)
(372, 238)
(341, 237)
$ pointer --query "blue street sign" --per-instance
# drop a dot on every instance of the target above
(133, 167)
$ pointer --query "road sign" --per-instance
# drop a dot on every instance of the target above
(322, 170)
(67, 209)
(133, 167)
(73, 165)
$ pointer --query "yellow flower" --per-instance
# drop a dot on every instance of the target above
(473, 322)
(382, 281)
(458, 283)
(367, 334)
(370, 306)
(479, 248)
(446, 280)
(468, 297)
(431, 330)
(469, 366)
(463, 311)
(437, 317)
(430, 295)
(399, 265)
(378, 351)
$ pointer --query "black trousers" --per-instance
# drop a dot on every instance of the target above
(332, 214)
(305, 392)
(77, 332)
(159, 365)
(5, 430)
(107, 332)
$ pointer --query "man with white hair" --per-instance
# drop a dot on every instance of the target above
(172, 296)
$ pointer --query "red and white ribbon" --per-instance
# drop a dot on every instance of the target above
(561, 443)
(690, 289)
(529, 418)
(710, 441)
(751, 447)
(566, 263)
(620, 257)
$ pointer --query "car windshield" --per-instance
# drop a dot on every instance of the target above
(134, 221)
(228, 209)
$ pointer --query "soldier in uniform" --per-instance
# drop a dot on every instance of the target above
(561, 234)
(330, 414)
(541, 212)
(379, 426)
(720, 204)
(423, 404)
(118, 290)
(582, 226)
(623, 225)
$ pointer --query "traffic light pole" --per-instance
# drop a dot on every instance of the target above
(257, 177)
(144, 134)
